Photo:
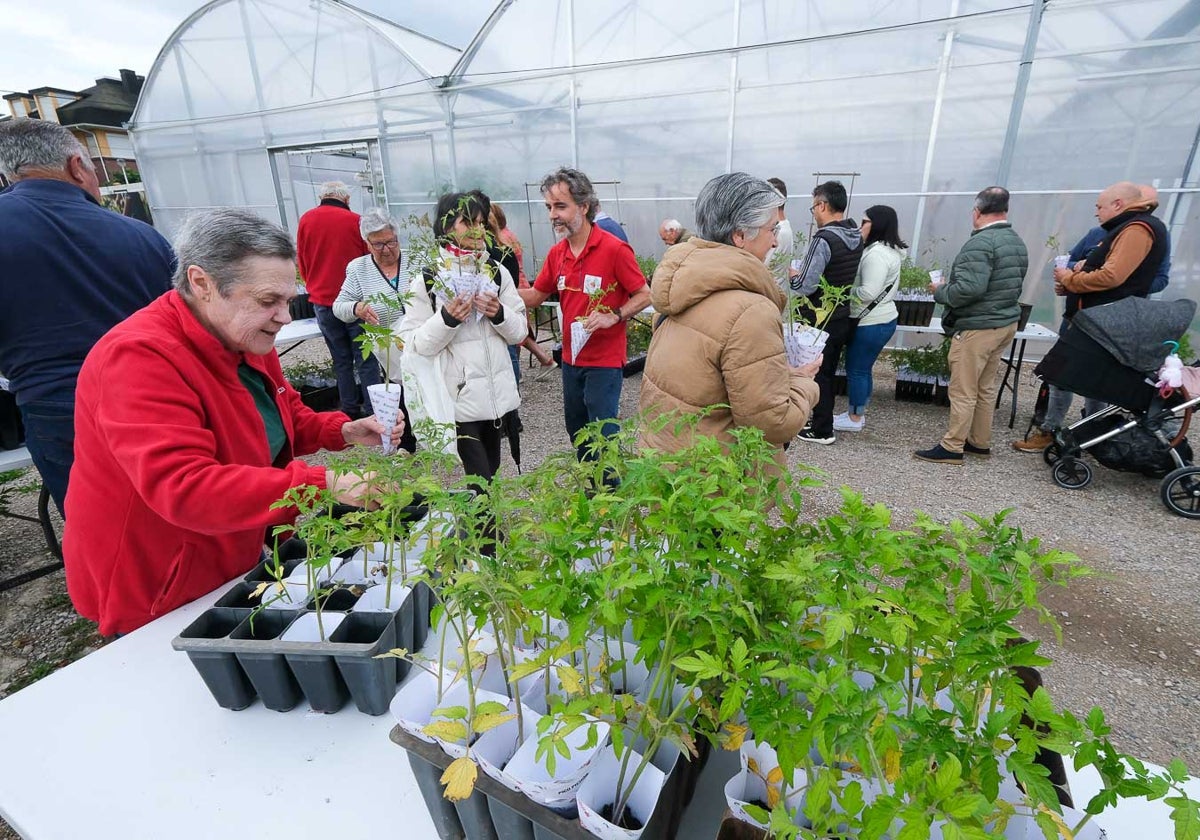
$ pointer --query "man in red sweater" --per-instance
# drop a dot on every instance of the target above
(326, 239)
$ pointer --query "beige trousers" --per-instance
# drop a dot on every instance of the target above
(974, 358)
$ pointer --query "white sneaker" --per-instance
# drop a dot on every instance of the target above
(843, 423)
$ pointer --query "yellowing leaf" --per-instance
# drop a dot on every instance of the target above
(571, 680)
(891, 764)
(459, 779)
(733, 736)
(446, 730)
(773, 797)
(752, 766)
(775, 776)
(483, 723)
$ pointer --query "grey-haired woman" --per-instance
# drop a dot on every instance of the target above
(717, 352)
(187, 432)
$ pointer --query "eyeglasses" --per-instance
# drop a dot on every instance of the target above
(815, 205)
(380, 246)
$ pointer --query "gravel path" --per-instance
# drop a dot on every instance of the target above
(1128, 634)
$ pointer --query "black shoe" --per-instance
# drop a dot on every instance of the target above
(940, 455)
(976, 450)
(809, 436)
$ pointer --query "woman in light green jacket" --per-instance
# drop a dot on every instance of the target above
(874, 289)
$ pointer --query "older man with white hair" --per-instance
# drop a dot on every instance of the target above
(671, 232)
(69, 271)
(327, 239)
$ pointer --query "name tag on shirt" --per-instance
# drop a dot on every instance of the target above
(562, 282)
(591, 284)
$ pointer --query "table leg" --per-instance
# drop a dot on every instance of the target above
(51, 543)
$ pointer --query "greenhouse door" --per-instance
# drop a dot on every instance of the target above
(300, 171)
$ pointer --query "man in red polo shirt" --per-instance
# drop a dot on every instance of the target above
(326, 239)
(600, 287)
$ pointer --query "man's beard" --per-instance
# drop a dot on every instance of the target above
(565, 230)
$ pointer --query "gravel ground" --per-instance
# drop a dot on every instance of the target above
(1128, 641)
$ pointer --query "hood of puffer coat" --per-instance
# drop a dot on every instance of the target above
(693, 270)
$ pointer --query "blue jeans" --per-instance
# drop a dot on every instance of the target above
(861, 353)
(514, 351)
(50, 439)
(347, 358)
(590, 394)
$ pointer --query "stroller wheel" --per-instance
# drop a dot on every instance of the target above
(1072, 473)
(1180, 492)
(1052, 454)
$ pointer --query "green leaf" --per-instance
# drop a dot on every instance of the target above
(1185, 813)
(947, 778)
(450, 712)
(1041, 707)
(837, 625)
(491, 707)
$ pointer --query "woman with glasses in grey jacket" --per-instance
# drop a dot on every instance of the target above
(375, 290)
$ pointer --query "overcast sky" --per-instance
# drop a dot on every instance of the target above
(71, 43)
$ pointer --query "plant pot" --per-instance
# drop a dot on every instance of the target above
(300, 308)
(557, 791)
(240, 596)
(635, 365)
(206, 642)
(732, 828)
(375, 599)
(423, 602)
(341, 599)
(266, 667)
(428, 775)
(513, 816)
(596, 795)
(803, 344)
(385, 401)
(261, 573)
(323, 398)
(357, 641)
(311, 662)
(915, 311)
(841, 384)
(1026, 312)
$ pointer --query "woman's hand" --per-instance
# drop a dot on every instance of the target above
(489, 305)
(363, 310)
(368, 431)
(358, 489)
(459, 308)
(810, 370)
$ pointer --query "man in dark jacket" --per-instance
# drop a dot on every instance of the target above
(327, 238)
(69, 271)
(834, 253)
(981, 317)
(1125, 262)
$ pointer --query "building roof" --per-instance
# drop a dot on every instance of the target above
(108, 102)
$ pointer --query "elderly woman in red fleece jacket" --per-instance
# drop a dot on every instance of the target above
(187, 431)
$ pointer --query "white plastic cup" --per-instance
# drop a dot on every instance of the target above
(1062, 261)
(935, 277)
(385, 401)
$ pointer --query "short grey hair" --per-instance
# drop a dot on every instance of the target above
(37, 144)
(334, 189)
(578, 185)
(671, 224)
(735, 202)
(375, 219)
(218, 241)
(992, 201)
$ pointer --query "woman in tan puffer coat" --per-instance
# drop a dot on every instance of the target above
(718, 337)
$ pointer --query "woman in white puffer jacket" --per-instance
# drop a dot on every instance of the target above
(475, 360)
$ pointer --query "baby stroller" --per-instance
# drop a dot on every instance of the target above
(1113, 353)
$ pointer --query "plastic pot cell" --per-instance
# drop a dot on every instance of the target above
(356, 641)
(207, 644)
(263, 663)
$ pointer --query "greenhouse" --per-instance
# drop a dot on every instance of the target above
(254, 103)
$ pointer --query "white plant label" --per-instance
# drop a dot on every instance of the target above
(591, 284)
(579, 337)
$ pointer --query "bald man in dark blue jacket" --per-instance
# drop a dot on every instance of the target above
(69, 271)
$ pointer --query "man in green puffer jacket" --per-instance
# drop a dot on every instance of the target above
(981, 317)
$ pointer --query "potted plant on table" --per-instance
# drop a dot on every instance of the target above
(914, 301)
(804, 333)
(316, 383)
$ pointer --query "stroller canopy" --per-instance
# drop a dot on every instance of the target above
(1133, 329)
